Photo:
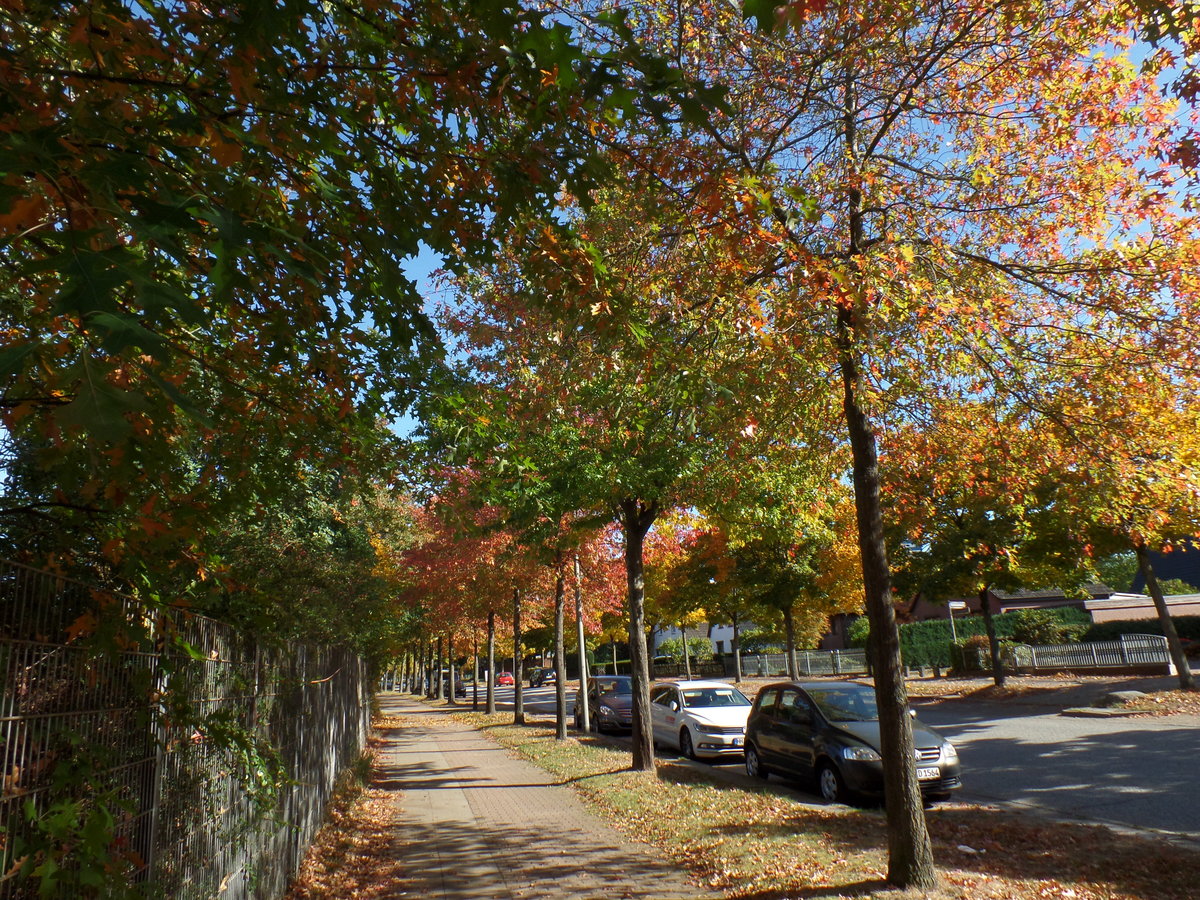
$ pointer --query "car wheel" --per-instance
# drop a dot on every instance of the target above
(686, 748)
(754, 765)
(831, 785)
(578, 722)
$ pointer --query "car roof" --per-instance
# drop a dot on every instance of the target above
(700, 684)
(817, 685)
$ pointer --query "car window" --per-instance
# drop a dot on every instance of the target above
(767, 700)
(664, 697)
(793, 707)
(847, 704)
(705, 698)
(612, 686)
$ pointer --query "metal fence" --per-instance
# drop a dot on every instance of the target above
(808, 662)
(154, 738)
(1130, 650)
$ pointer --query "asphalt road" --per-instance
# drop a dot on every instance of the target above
(1139, 773)
(1129, 773)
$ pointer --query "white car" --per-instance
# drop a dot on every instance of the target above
(700, 718)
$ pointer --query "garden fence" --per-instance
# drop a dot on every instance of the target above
(1130, 650)
(171, 724)
(808, 662)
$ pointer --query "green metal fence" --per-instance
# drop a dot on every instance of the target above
(155, 739)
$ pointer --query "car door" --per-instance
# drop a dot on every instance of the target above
(794, 731)
(765, 731)
(664, 715)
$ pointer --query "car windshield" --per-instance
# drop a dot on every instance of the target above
(846, 704)
(703, 698)
(613, 686)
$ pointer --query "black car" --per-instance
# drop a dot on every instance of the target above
(610, 703)
(542, 675)
(829, 731)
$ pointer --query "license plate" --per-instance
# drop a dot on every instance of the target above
(737, 742)
(928, 774)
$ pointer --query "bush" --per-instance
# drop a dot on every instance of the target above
(1187, 626)
(929, 643)
(1048, 626)
(1174, 586)
(699, 649)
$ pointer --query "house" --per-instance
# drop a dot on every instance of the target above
(1103, 604)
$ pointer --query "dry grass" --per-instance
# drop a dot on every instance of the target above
(764, 843)
(1166, 703)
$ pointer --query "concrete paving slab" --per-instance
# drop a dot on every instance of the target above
(478, 823)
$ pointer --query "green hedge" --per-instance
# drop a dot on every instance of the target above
(1187, 626)
(928, 643)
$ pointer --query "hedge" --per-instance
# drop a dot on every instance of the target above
(928, 643)
(1187, 626)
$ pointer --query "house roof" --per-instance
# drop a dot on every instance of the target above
(1095, 590)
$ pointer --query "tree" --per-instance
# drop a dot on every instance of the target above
(206, 215)
(1138, 488)
(948, 191)
(976, 509)
(620, 400)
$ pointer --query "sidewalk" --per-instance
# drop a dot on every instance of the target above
(480, 824)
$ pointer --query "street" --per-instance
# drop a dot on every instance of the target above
(1132, 772)
(1127, 772)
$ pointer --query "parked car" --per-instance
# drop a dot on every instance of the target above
(460, 690)
(700, 718)
(504, 678)
(828, 731)
(610, 703)
(542, 675)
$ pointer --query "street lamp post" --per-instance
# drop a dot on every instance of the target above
(950, 608)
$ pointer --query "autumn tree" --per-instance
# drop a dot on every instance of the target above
(940, 194)
(205, 216)
(1129, 466)
(623, 392)
(976, 508)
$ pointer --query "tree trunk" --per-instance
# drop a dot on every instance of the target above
(585, 720)
(910, 854)
(687, 657)
(474, 668)
(1187, 681)
(560, 651)
(439, 693)
(491, 663)
(789, 635)
(417, 685)
(450, 670)
(429, 664)
(989, 624)
(612, 646)
(737, 650)
(637, 518)
(518, 687)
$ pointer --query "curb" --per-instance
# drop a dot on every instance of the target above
(1093, 712)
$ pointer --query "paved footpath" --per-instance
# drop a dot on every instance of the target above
(480, 824)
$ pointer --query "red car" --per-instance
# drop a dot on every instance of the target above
(504, 678)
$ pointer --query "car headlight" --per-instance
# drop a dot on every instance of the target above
(710, 729)
(606, 710)
(862, 754)
(948, 751)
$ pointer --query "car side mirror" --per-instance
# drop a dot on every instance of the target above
(674, 706)
(912, 713)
